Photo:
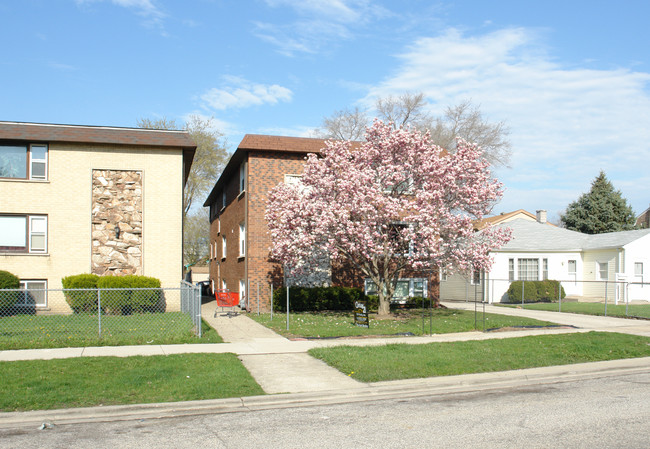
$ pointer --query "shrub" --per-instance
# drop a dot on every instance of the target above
(82, 300)
(124, 299)
(535, 291)
(8, 281)
(314, 299)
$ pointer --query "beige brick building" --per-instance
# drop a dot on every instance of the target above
(82, 199)
(239, 238)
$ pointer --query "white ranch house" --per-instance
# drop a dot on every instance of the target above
(615, 265)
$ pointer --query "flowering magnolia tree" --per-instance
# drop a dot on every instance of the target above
(394, 202)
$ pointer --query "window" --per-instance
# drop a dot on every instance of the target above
(213, 211)
(638, 269)
(292, 179)
(23, 233)
(511, 269)
(223, 200)
(571, 267)
(22, 161)
(603, 269)
(224, 286)
(35, 293)
(443, 276)
(242, 240)
(218, 225)
(242, 177)
(242, 290)
(544, 269)
(38, 159)
(404, 288)
(223, 246)
(528, 269)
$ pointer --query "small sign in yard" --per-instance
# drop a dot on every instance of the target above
(361, 314)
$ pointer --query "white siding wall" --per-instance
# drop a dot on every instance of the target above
(638, 252)
(598, 290)
(498, 279)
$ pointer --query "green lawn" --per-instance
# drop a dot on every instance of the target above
(60, 331)
(91, 381)
(403, 361)
(341, 324)
(590, 308)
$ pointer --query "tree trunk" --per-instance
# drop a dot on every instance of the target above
(384, 304)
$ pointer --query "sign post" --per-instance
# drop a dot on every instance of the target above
(361, 314)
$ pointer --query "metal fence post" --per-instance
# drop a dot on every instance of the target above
(559, 295)
(523, 282)
(199, 324)
(258, 297)
(287, 306)
(605, 298)
(99, 311)
(271, 284)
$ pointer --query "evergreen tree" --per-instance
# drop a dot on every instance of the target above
(601, 210)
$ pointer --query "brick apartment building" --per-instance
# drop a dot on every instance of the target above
(239, 239)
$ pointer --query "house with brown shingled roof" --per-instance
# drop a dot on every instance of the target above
(91, 199)
(239, 238)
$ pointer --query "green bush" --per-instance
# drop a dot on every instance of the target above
(302, 299)
(124, 299)
(535, 291)
(82, 300)
(8, 281)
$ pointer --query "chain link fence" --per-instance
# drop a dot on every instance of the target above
(38, 318)
(607, 298)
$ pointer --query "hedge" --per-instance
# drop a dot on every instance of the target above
(8, 281)
(82, 300)
(302, 299)
(126, 300)
(535, 291)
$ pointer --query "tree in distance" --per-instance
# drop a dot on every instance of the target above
(602, 209)
(464, 120)
(393, 203)
(209, 160)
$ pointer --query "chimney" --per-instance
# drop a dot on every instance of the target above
(541, 216)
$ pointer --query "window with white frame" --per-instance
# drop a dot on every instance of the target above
(291, 179)
(223, 246)
(571, 267)
(544, 269)
(242, 177)
(242, 240)
(511, 270)
(35, 293)
(23, 233)
(242, 289)
(603, 270)
(22, 161)
(404, 288)
(638, 269)
(528, 269)
(223, 199)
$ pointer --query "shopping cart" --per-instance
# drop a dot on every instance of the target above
(226, 299)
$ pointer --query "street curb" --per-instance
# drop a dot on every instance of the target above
(402, 389)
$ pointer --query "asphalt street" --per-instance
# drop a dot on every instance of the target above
(605, 412)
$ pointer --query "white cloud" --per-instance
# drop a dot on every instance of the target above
(566, 123)
(148, 9)
(318, 24)
(240, 93)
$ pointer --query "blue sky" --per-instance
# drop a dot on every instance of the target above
(570, 78)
